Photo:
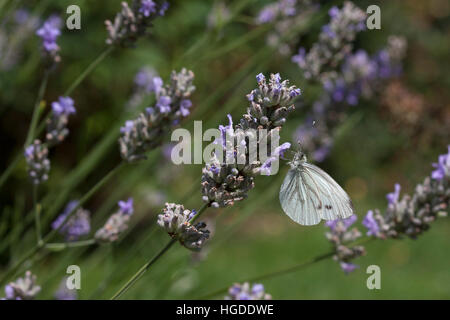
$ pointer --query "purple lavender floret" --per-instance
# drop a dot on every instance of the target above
(49, 33)
(76, 226)
(371, 224)
(64, 105)
(147, 7)
(442, 166)
(126, 207)
(133, 22)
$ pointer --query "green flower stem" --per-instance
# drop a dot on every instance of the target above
(65, 245)
(37, 108)
(147, 265)
(282, 271)
(37, 214)
(52, 233)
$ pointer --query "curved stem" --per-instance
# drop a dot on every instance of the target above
(147, 265)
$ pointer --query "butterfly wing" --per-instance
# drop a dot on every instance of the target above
(295, 200)
(309, 194)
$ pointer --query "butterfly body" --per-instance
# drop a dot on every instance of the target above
(309, 195)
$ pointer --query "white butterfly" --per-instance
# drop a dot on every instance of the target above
(308, 194)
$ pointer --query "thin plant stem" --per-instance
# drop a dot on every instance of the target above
(37, 214)
(37, 109)
(283, 271)
(65, 245)
(147, 265)
(52, 233)
(88, 70)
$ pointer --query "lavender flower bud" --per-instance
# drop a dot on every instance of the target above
(132, 23)
(76, 226)
(339, 235)
(36, 156)
(64, 293)
(175, 220)
(57, 124)
(245, 292)
(148, 130)
(23, 288)
(49, 32)
(117, 223)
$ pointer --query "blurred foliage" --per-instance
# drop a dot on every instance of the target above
(374, 149)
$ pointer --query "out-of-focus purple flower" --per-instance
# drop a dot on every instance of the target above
(36, 155)
(333, 12)
(268, 14)
(348, 267)
(64, 293)
(64, 105)
(126, 207)
(442, 166)
(246, 292)
(371, 224)
(164, 6)
(147, 7)
(49, 33)
(77, 225)
(394, 196)
(224, 129)
(127, 127)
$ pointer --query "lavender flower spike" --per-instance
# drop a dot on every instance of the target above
(23, 288)
(76, 226)
(49, 33)
(133, 22)
(117, 223)
(36, 156)
(146, 132)
(411, 215)
(175, 220)
(57, 124)
(339, 235)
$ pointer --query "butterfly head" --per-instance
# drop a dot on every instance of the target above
(298, 160)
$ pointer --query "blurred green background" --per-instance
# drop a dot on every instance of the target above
(373, 150)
